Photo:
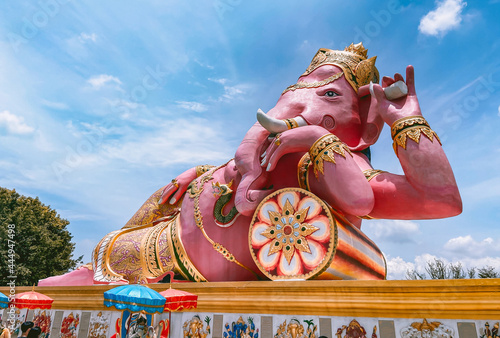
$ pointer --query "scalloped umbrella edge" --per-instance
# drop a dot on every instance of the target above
(4, 301)
(32, 300)
(135, 298)
(179, 300)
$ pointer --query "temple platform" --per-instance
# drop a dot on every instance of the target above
(454, 308)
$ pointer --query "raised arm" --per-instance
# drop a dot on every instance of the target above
(428, 188)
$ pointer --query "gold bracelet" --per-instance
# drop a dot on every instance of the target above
(303, 171)
(414, 134)
(291, 123)
(371, 173)
(406, 122)
(201, 169)
(412, 127)
(367, 217)
(324, 149)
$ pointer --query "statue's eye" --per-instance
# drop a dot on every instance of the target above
(331, 93)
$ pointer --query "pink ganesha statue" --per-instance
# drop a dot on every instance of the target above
(291, 202)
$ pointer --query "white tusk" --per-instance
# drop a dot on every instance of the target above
(300, 121)
(272, 125)
(275, 126)
(396, 90)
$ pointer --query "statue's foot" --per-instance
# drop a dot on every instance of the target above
(81, 276)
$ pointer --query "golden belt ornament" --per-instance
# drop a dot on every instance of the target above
(194, 193)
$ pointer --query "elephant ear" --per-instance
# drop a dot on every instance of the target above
(371, 121)
(366, 71)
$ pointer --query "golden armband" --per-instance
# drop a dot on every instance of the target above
(324, 149)
(303, 171)
(201, 169)
(291, 123)
(410, 127)
(371, 173)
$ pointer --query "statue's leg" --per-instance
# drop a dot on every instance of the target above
(140, 252)
(137, 255)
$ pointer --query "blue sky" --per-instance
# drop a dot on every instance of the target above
(102, 103)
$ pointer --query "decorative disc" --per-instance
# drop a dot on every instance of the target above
(293, 235)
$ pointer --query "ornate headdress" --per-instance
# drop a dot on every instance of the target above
(358, 70)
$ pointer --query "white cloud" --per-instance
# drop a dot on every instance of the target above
(498, 110)
(202, 64)
(397, 268)
(14, 124)
(466, 246)
(55, 105)
(101, 80)
(398, 231)
(220, 81)
(87, 37)
(445, 17)
(191, 105)
(232, 92)
(187, 141)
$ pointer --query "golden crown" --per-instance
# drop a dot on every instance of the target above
(358, 70)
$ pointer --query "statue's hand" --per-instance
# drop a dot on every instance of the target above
(392, 110)
(291, 141)
(176, 189)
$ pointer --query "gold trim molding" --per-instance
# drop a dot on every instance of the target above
(443, 299)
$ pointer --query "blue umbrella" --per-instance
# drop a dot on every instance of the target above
(4, 301)
(134, 298)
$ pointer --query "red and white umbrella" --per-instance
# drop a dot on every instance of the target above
(32, 300)
(178, 300)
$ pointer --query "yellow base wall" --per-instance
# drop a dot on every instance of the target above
(446, 299)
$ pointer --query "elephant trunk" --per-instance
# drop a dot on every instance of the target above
(250, 190)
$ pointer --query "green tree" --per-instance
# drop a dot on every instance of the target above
(488, 272)
(437, 269)
(39, 243)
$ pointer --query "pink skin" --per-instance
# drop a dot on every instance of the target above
(173, 192)
(428, 182)
(427, 190)
(337, 114)
(80, 276)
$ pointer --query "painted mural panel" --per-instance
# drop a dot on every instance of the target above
(426, 328)
(43, 319)
(490, 329)
(350, 327)
(296, 326)
(69, 324)
(19, 318)
(241, 326)
(99, 325)
(191, 325)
